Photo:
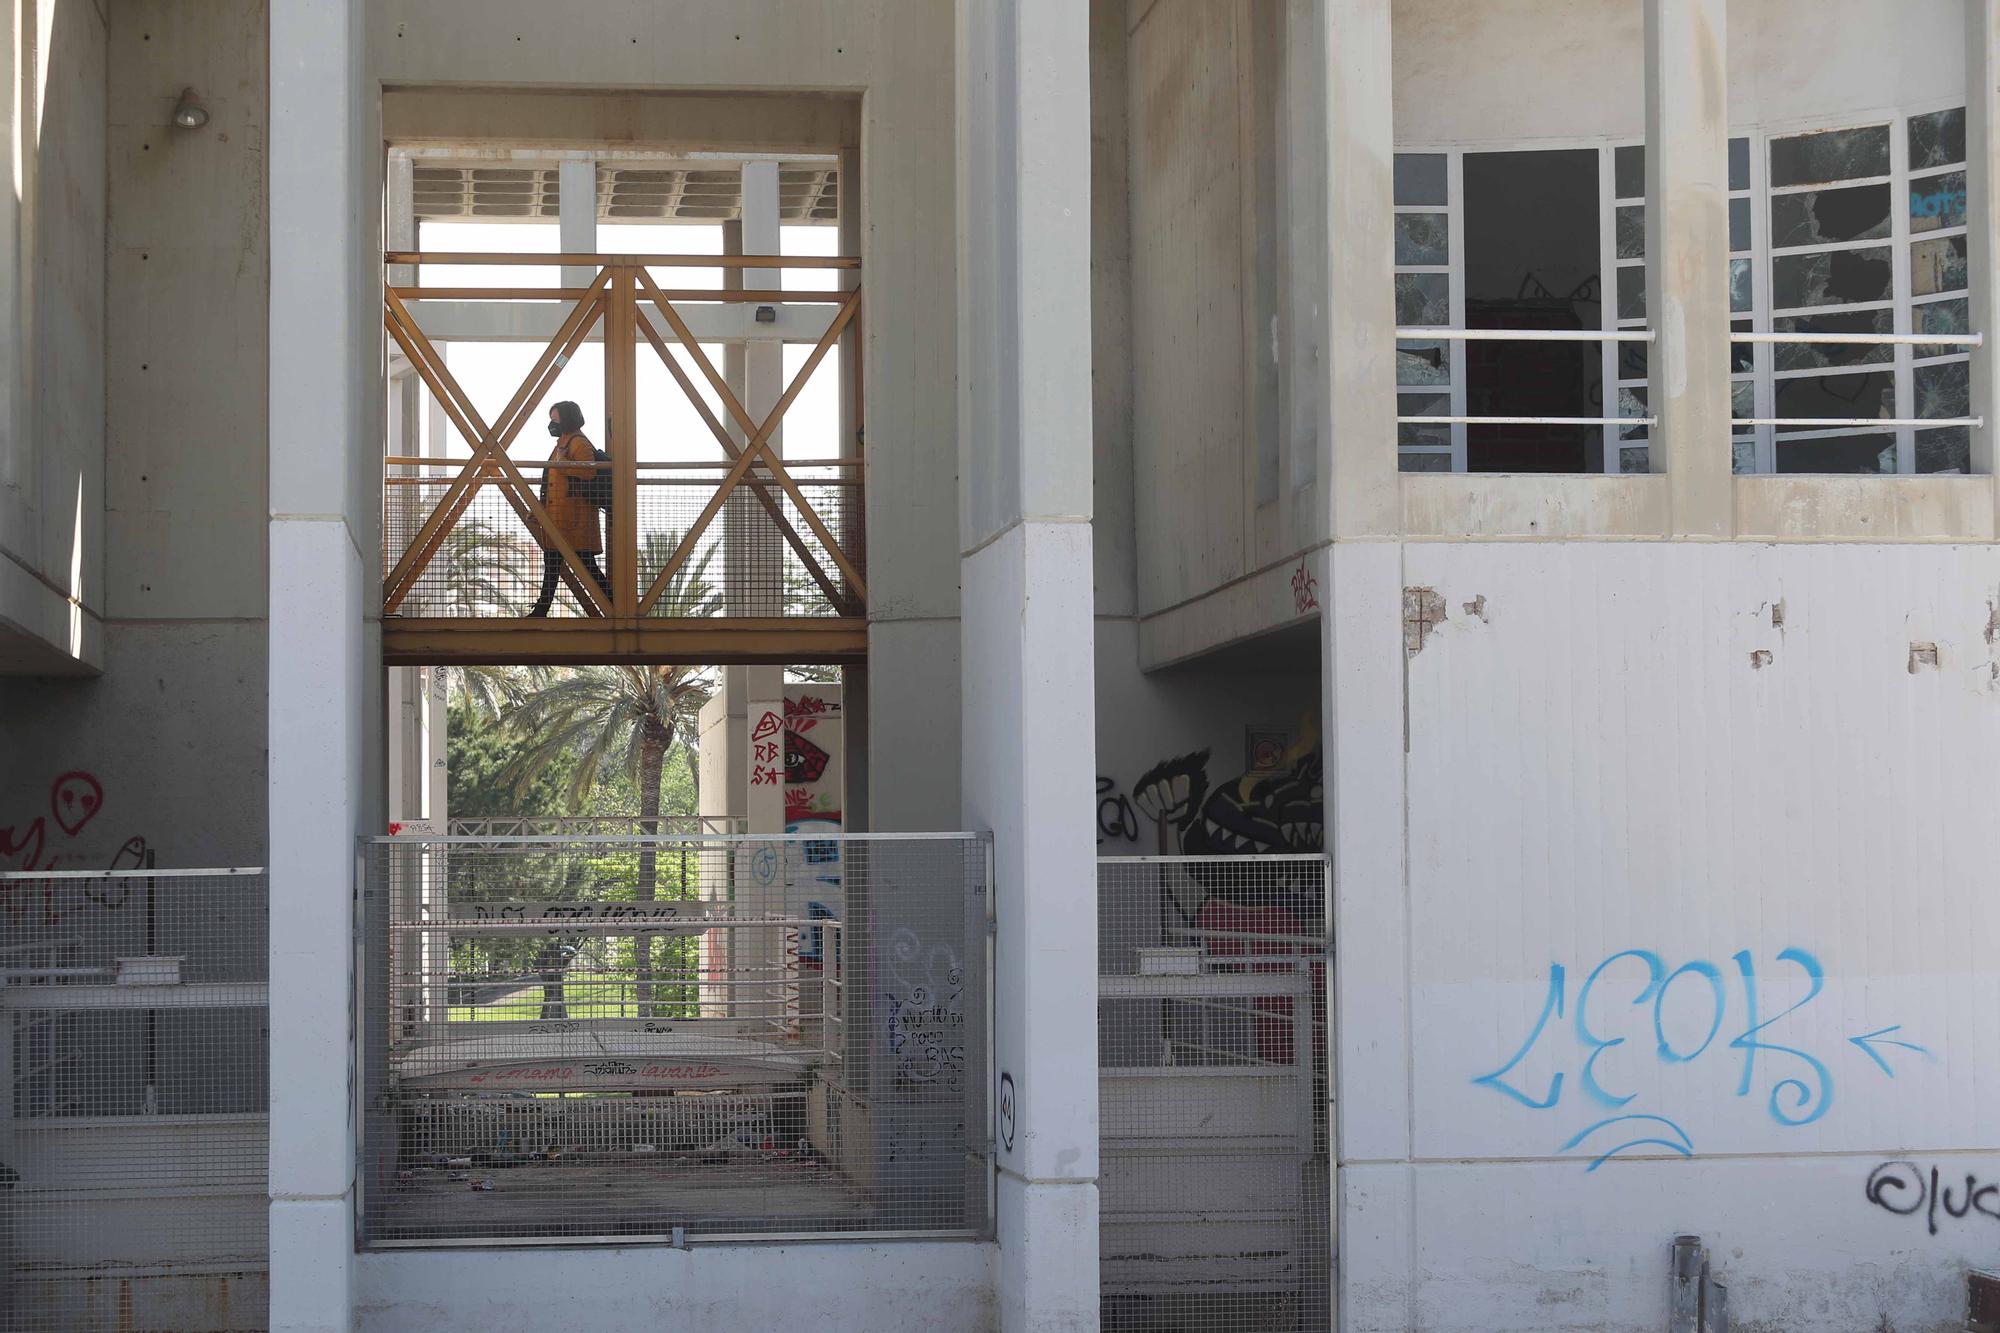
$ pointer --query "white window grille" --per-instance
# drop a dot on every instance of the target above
(1847, 283)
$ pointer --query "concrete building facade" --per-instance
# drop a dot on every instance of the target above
(1646, 668)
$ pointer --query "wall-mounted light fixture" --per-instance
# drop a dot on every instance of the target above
(767, 314)
(189, 114)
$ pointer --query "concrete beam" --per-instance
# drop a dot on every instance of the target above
(537, 322)
(322, 347)
(1982, 217)
(1024, 407)
(1687, 247)
(1358, 412)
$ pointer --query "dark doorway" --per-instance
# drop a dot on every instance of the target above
(1532, 261)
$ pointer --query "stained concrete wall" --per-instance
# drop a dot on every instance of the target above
(51, 368)
(1685, 930)
(169, 741)
(1212, 565)
(1525, 70)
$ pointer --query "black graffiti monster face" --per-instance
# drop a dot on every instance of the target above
(1257, 814)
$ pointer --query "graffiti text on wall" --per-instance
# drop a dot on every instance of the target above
(925, 1011)
(1624, 1002)
(1905, 1189)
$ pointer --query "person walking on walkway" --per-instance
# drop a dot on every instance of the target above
(571, 464)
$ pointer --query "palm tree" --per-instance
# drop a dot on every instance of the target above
(625, 718)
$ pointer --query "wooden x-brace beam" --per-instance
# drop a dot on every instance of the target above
(490, 463)
(756, 448)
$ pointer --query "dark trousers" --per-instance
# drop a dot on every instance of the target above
(552, 571)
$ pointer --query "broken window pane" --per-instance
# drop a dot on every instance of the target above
(1937, 201)
(1433, 462)
(1423, 238)
(1743, 455)
(1943, 389)
(1628, 171)
(1421, 405)
(1739, 285)
(1632, 403)
(1837, 397)
(1423, 299)
(1946, 450)
(1742, 356)
(1631, 231)
(1838, 453)
(1832, 155)
(1739, 224)
(1937, 265)
(1815, 217)
(1939, 317)
(1816, 356)
(1420, 179)
(1632, 361)
(1937, 139)
(1834, 277)
(1742, 399)
(1422, 363)
(1739, 164)
(1633, 459)
(1632, 291)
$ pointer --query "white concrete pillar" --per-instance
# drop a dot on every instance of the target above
(323, 347)
(1982, 231)
(1024, 410)
(1687, 256)
(576, 196)
(1358, 403)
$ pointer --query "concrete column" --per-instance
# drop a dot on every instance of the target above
(1687, 256)
(1024, 413)
(1358, 414)
(1982, 231)
(576, 193)
(323, 349)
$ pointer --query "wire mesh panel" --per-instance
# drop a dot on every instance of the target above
(133, 1136)
(746, 562)
(1212, 1093)
(674, 1038)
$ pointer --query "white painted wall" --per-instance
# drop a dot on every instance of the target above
(883, 1287)
(1619, 750)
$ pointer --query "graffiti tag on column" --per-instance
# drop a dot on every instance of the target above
(1305, 590)
(925, 1011)
(1795, 1085)
(767, 764)
(1116, 820)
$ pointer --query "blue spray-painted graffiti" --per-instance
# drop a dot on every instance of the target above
(1802, 1086)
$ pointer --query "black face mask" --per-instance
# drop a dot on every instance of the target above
(556, 429)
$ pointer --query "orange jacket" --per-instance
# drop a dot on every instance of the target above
(573, 514)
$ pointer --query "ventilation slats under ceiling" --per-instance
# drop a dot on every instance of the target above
(808, 192)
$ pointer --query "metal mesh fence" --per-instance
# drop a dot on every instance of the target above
(674, 1038)
(742, 563)
(133, 1139)
(1212, 1093)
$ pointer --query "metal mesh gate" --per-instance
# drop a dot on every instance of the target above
(133, 1134)
(1212, 1093)
(675, 1038)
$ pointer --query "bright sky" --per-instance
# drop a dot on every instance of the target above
(669, 427)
